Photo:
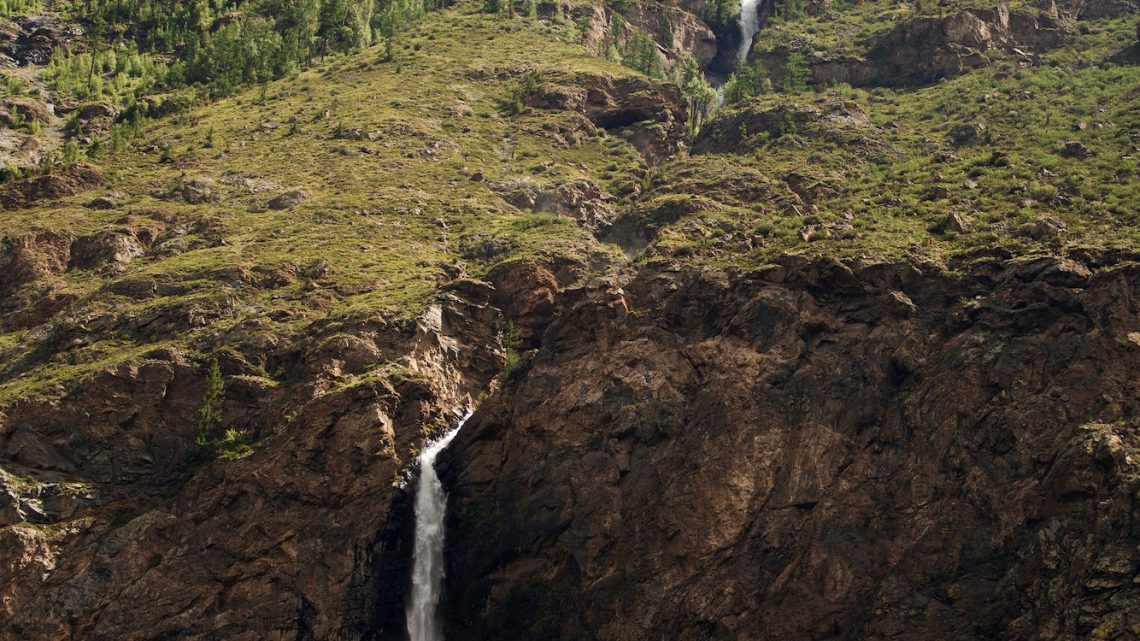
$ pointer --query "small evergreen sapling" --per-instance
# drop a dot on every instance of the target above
(210, 412)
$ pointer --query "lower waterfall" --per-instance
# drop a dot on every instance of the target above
(427, 565)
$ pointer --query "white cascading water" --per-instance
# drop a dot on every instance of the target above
(427, 561)
(749, 26)
(749, 22)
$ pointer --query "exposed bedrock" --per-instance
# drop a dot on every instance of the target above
(816, 451)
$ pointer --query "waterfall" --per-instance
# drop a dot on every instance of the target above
(749, 26)
(427, 565)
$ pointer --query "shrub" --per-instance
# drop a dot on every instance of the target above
(796, 74)
(210, 412)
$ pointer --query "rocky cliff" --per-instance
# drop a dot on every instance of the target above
(816, 450)
(122, 531)
(849, 356)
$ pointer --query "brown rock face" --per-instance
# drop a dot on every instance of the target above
(33, 256)
(650, 115)
(818, 451)
(58, 184)
(115, 525)
(925, 50)
(579, 199)
(95, 118)
(687, 33)
(526, 292)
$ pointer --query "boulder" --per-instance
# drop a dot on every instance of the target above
(288, 199)
(198, 190)
(1047, 228)
(1075, 149)
(970, 133)
(95, 118)
(954, 222)
(111, 249)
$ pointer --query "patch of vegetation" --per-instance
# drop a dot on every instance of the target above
(884, 188)
(747, 82)
(18, 7)
(722, 15)
(119, 74)
(699, 95)
(234, 445)
(511, 344)
(210, 411)
(640, 53)
(387, 214)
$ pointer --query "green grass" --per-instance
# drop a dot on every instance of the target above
(883, 204)
(386, 216)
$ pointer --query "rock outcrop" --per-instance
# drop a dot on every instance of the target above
(581, 199)
(818, 450)
(925, 50)
(112, 514)
(34, 38)
(744, 130)
(649, 114)
(57, 184)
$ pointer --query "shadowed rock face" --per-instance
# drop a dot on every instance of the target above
(118, 528)
(820, 451)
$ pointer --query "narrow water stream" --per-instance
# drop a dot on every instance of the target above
(427, 565)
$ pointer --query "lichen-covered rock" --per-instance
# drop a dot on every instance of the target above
(111, 249)
(199, 190)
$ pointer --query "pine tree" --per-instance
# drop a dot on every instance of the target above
(210, 412)
(796, 74)
(748, 81)
(699, 95)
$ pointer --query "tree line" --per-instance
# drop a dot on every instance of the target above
(225, 44)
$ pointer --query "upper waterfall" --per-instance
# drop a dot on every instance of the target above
(749, 26)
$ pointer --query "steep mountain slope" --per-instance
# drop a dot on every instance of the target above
(816, 450)
(847, 357)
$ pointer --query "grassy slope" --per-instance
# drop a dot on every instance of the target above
(879, 204)
(387, 215)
